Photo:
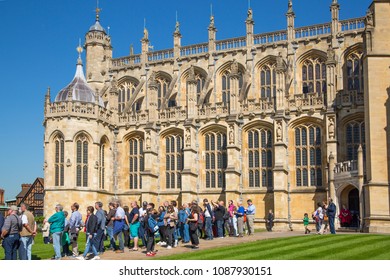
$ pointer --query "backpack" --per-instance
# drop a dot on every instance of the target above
(152, 225)
(201, 218)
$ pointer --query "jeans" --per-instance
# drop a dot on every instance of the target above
(57, 244)
(90, 245)
(169, 235)
(331, 225)
(233, 224)
(220, 229)
(25, 247)
(209, 227)
(121, 243)
(184, 232)
(11, 245)
(150, 241)
(141, 234)
(98, 239)
(110, 234)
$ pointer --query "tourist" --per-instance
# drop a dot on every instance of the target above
(101, 220)
(119, 226)
(193, 226)
(176, 233)
(151, 213)
(325, 220)
(318, 216)
(91, 231)
(65, 240)
(46, 232)
(170, 219)
(134, 224)
(126, 230)
(345, 217)
(270, 220)
(75, 223)
(209, 217)
(219, 214)
(250, 217)
(10, 233)
(110, 225)
(240, 219)
(141, 230)
(161, 226)
(232, 222)
(331, 212)
(183, 214)
(27, 234)
(57, 224)
(306, 223)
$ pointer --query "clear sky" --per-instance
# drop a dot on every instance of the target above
(38, 50)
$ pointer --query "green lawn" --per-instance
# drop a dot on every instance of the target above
(310, 247)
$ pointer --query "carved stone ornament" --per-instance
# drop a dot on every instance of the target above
(279, 131)
(369, 18)
(331, 54)
(331, 128)
(188, 137)
(231, 134)
(234, 67)
(148, 141)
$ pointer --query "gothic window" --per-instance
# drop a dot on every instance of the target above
(162, 90)
(126, 90)
(260, 159)
(136, 162)
(59, 161)
(308, 157)
(102, 165)
(314, 76)
(354, 137)
(268, 82)
(354, 67)
(173, 161)
(216, 159)
(226, 86)
(82, 161)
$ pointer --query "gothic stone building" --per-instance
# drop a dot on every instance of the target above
(285, 118)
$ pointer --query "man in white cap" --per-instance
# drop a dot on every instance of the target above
(11, 233)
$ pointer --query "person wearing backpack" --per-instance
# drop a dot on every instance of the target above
(151, 227)
(10, 233)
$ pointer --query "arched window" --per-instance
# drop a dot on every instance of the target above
(59, 161)
(354, 68)
(314, 76)
(126, 90)
(82, 161)
(173, 161)
(260, 159)
(136, 162)
(268, 82)
(308, 156)
(162, 89)
(226, 86)
(354, 137)
(102, 165)
(216, 159)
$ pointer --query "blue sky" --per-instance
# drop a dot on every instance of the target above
(38, 50)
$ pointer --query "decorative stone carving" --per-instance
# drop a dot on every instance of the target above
(146, 34)
(279, 131)
(188, 138)
(234, 68)
(191, 74)
(331, 53)
(369, 19)
(231, 134)
(148, 141)
(331, 130)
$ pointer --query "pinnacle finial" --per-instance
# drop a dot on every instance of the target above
(290, 6)
(79, 50)
(98, 10)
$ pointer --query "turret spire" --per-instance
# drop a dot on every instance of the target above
(79, 50)
(290, 7)
(98, 10)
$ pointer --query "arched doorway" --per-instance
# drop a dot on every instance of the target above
(349, 197)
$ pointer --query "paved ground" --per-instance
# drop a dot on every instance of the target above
(204, 244)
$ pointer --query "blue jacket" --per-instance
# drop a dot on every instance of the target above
(331, 211)
(160, 220)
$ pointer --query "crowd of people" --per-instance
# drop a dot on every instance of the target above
(125, 227)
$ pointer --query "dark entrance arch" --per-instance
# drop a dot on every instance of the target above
(353, 204)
